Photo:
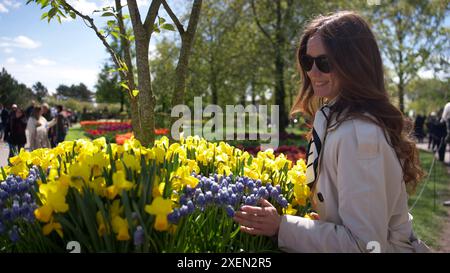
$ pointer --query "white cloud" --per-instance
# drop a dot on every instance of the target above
(11, 60)
(43, 61)
(20, 42)
(7, 50)
(87, 7)
(3, 8)
(12, 3)
(84, 6)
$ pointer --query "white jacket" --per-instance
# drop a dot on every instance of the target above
(364, 200)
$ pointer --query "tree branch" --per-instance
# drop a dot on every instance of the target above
(125, 49)
(151, 16)
(195, 16)
(173, 17)
(255, 16)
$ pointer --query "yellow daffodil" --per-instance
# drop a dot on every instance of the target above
(301, 193)
(100, 142)
(289, 210)
(119, 183)
(102, 228)
(80, 171)
(48, 228)
(161, 208)
(120, 227)
(132, 161)
(53, 196)
(182, 177)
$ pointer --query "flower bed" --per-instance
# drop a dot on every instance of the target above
(129, 198)
(292, 153)
(121, 138)
(112, 130)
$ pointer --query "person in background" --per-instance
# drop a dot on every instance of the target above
(62, 125)
(37, 130)
(46, 113)
(29, 110)
(444, 135)
(418, 128)
(7, 130)
(4, 116)
(431, 128)
(18, 125)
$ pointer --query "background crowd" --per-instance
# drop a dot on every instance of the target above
(435, 127)
(37, 126)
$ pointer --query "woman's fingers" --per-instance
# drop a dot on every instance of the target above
(248, 220)
(254, 210)
(314, 216)
(265, 203)
(252, 231)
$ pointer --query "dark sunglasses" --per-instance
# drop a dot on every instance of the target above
(321, 61)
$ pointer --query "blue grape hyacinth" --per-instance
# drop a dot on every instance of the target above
(227, 192)
(17, 204)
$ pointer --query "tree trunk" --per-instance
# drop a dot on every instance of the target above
(280, 90)
(122, 101)
(145, 100)
(253, 92)
(214, 88)
(187, 39)
(279, 70)
(401, 92)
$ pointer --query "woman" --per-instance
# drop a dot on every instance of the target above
(37, 130)
(18, 125)
(360, 158)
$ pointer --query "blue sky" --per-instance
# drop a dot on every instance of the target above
(68, 53)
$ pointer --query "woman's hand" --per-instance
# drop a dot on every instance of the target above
(263, 220)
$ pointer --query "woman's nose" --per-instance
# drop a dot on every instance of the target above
(314, 72)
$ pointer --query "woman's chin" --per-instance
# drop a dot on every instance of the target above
(322, 93)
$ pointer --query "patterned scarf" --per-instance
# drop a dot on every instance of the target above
(315, 146)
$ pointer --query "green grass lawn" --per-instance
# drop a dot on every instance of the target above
(429, 213)
(75, 132)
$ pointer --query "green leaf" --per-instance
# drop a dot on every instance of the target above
(52, 12)
(135, 92)
(72, 14)
(106, 14)
(161, 20)
(124, 86)
(156, 28)
(115, 34)
(111, 23)
(168, 27)
(44, 15)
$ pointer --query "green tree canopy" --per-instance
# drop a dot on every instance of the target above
(13, 92)
(40, 91)
(79, 92)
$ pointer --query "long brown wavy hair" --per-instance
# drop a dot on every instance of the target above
(356, 63)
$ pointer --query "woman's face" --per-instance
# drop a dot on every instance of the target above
(323, 84)
(19, 113)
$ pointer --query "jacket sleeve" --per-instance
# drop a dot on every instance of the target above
(362, 205)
